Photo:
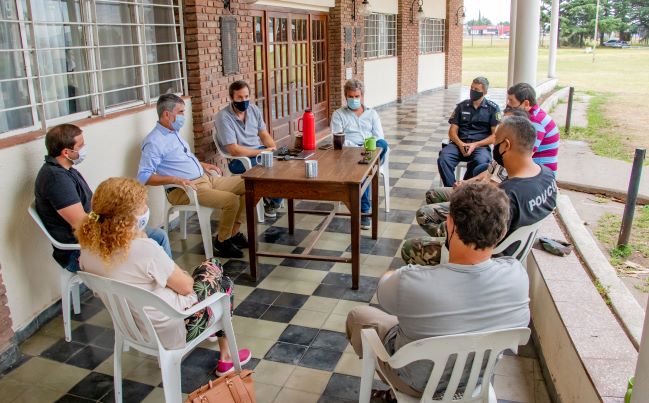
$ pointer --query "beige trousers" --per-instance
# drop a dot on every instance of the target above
(218, 192)
(368, 317)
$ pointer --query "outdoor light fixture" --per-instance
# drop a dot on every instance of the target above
(226, 4)
(420, 11)
(459, 14)
(364, 11)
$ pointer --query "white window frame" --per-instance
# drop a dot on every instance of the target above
(383, 42)
(431, 36)
(93, 48)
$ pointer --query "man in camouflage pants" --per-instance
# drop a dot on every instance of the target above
(432, 219)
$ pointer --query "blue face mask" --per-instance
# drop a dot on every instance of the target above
(353, 103)
(241, 105)
(178, 123)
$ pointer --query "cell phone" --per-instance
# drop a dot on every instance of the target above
(327, 146)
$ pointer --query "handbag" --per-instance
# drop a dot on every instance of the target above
(236, 387)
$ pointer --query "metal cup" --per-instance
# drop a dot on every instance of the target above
(311, 167)
(339, 140)
(266, 159)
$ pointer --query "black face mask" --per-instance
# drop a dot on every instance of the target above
(475, 95)
(498, 156)
(241, 105)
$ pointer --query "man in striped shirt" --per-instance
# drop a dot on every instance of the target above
(546, 149)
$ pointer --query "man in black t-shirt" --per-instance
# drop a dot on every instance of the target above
(531, 188)
(63, 197)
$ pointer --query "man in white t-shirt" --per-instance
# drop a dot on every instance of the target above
(470, 293)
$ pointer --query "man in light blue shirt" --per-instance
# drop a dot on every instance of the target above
(241, 132)
(359, 122)
(167, 160)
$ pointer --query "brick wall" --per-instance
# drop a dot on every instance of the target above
(340, 17)
(208, 87)
(407, 50)
(8, 346)
(453, 45)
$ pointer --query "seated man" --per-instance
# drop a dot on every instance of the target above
(167, 160)
(473, 124)
(531, 188)
(63, 196)
(473, 292)
(522, 96)
(241, 131)
(359, 122)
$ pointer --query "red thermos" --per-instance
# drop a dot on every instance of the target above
(308, 130)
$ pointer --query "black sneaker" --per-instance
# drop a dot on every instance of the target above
(227, 249)
(239, 240)
(366, 222)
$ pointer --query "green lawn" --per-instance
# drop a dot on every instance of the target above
(615, 70)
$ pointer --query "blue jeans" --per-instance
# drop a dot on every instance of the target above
(155, 234)
(365, 199)
(450, 156)
(236, 167)
(160, 237)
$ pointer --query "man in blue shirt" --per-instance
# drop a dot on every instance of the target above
(241, 131)
(167, 160)
(473, 124)
(63, 196)
(359, 122)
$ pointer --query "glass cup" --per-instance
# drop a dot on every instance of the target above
(339, 140)
(298, 142)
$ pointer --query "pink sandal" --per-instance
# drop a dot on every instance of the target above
(225, 367)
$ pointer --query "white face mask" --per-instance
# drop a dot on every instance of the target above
(143, 220)
(82, 156)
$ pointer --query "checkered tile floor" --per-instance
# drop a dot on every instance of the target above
(292, 318)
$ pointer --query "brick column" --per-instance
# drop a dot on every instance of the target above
(8, 348)
(407, 50)
(208, 87)
(453, 43)
(340, 17)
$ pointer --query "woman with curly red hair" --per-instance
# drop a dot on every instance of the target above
(114, 245)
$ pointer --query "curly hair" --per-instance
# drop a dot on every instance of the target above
(480, 212)
(111, 226)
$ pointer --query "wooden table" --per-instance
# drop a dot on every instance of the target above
(340, 178)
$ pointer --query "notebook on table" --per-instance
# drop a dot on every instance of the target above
(293, 154)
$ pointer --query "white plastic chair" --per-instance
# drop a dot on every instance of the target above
(124, 301)
(69, 282)
(523, 236)
(247, 165)
(438, 350)
(204, 216)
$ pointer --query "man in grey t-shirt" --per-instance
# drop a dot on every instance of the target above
(241, 132)
(470, 293)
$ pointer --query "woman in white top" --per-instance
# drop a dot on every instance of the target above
(114, 245)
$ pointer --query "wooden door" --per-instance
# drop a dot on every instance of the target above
(319, 79)
(290, 70)
(278, 74)
(259, 81)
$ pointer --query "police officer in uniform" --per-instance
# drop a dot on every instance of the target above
(473, 124)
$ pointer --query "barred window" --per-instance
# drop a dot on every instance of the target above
(431, 35)
(380, 35)
(63, 60)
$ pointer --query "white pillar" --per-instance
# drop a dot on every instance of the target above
(528, 13)
(641, 382)
(554, 35)
(512, 43)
